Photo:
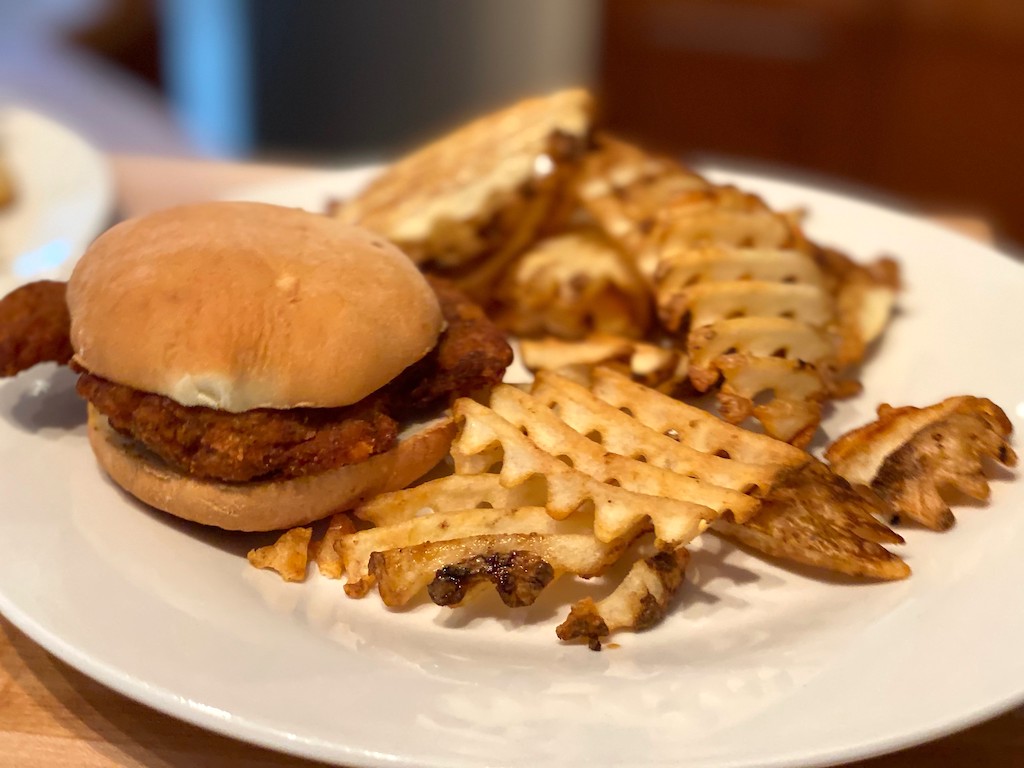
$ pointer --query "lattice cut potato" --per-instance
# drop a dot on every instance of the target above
(865, 300)
(797, 390)
(323, 552)
(682, 267)
(914, 457)
(663, 368)
(692, 426)
(808, 515)
(519, 565)
(355, 549)
(814, 518)
(639, 601)
(538, 417)
(572, 285)
(289, 555)
(706, 303)
(756, 337)
(443, 204)
(448, 494)
(623, 187)
(664, 438)
(575, 471)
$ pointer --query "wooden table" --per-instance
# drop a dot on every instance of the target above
(51, 715)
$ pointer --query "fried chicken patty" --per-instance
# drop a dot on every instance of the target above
(34, 327)
(267, 443)
(237, 447)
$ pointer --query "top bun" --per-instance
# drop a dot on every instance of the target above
(238, 306)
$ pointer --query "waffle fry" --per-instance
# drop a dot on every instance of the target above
(625, 435)
(798, 390)
(692, 426)
(289, 555)
(323, 551)
(639, 601)
(468, 203)
(756, 337)
(552, 434)
(909, 456)
(450, 493)
(456, 565)
(572, 285)
(354, 550)
(720, 260)
(681, 268)
(807, 515)
(707, 303)
(662, 368)
(813, 518)
(622, 187)
(487, 437)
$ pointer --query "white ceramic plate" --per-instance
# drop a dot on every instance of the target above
(64, 197)
(757, 665)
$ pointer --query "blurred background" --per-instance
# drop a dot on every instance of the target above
(918, 99)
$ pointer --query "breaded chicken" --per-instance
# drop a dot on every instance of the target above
(34, 327)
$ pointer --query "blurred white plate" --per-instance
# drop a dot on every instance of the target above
(756, 665)
(64, 198)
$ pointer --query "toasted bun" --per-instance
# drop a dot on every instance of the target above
(266, 505)
(243, 305)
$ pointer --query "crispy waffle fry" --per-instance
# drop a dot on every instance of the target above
(323, 552)
(722, 481)
(909, 456)
(651, 205)
(758, 337)
(354, 550)
(693, 427)
(706, 224)
(450, 493)
(865, 297)
(622, 187)
(458, 198)
(487, 438)
(655, 366)
(707, 303)
(808, 515)
(794, 410)
(552, 434)
(639, 602)
(681, 268)
(572, 285)
(812, 517)
(289, 555)
(401, 573)
(549, 354)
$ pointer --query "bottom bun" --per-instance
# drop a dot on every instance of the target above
(267, 505)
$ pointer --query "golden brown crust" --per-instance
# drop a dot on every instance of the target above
(909, 456)
(34, 326)
(572, 285)
(814, 518)
(243, 305)
(261, 444)
(266, 506)
(440, 202)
